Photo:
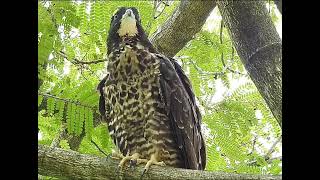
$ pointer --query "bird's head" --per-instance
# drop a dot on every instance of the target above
(125, 23)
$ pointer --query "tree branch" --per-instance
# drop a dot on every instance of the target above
(228, 67)
(76, 61)
(253, 144)
(182, 25)
(267, 156)
(202, 72)
(61, 163)
(65, 100)
(274, 158)
(96, 145)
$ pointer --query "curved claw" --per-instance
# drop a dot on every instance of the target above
(144, 171)
(152, 161)
(132, 160)
(118, 168)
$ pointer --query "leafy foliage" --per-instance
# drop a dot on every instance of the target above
(238, 126)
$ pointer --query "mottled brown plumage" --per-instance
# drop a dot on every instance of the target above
(148, 101)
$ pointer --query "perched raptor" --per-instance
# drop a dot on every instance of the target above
(148, 101)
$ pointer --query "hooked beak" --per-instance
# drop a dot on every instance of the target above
(129, 12)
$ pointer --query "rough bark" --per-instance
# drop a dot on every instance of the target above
(279, 5)
(187, 19)
(259, 47)
(63, 164)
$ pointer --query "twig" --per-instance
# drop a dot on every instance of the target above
(76, 61)
(165, 3)
(253, 144)
(81, 63)
(65, 100)
(221, 28)
(155, 7)
(90, 62)
(99, 148)
(202, 72)
(267, 156)
(274, 158)
(222, 60)
(53, 19)
(232, 52)
(155, 17)
(228, 68)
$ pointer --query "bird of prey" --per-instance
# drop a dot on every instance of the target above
(147, 100)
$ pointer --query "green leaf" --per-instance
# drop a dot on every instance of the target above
(64, 144)
(89, 123)
(69, 118)
(40, 98)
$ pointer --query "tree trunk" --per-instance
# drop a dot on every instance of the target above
(63, 164)
(187, 19)
(259, 47)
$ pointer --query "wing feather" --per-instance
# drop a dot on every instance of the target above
(104, 108)
(183, 113)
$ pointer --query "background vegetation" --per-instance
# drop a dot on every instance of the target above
(241, 133)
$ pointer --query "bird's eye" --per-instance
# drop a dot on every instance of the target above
(115, 16)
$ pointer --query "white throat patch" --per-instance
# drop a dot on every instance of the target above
(128, 26)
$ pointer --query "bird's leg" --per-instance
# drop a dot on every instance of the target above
(153, 161)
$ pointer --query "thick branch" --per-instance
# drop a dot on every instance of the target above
(187, 19)
(61, 163)
(259, 47)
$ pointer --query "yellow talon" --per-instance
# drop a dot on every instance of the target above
(135, 156)
(116, 154)
(153, 161)
(161, 163)
(140, 161)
